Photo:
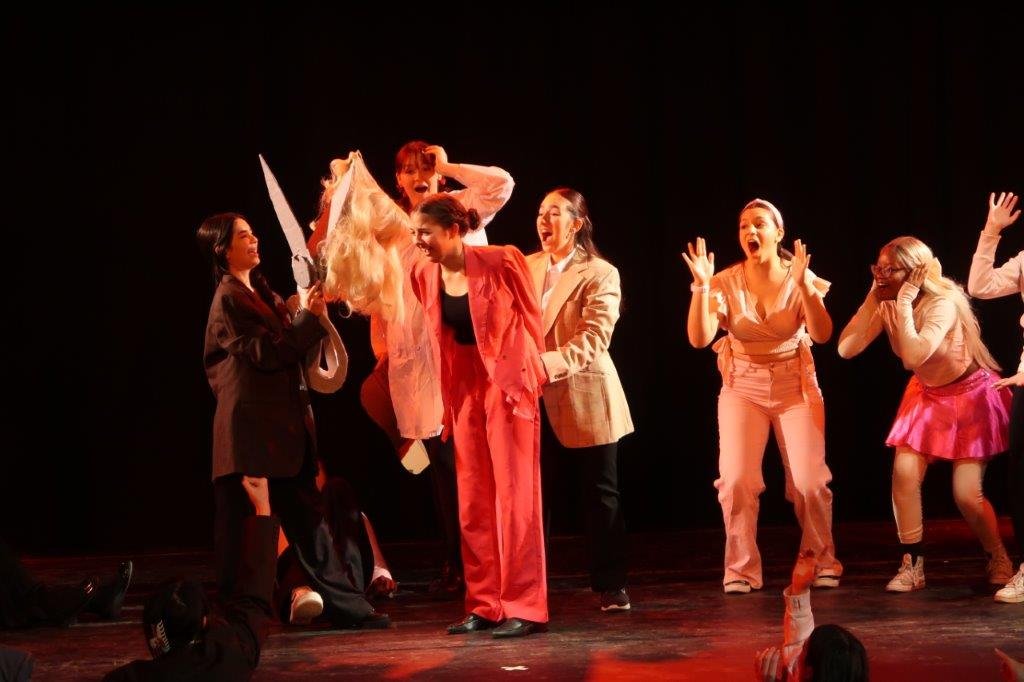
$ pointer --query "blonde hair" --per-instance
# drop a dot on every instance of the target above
(911, 252)
(360, 252)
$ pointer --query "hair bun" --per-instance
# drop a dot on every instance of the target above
(474, 218)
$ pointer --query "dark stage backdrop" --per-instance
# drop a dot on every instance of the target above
(122, 131)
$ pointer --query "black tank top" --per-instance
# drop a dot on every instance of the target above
(455, 314)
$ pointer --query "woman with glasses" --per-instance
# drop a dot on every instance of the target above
(951, 410)
(987, 281)
(771, 306)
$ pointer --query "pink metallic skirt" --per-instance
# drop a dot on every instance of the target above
(968, 419)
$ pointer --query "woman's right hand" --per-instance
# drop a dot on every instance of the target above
(312, 299)
(259, 494)
(700, 262)
(1000, 212)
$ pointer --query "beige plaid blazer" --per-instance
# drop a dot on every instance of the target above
(584, 399)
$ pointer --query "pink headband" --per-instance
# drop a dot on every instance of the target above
(764, 203)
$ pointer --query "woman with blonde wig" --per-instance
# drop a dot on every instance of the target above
(951, 409)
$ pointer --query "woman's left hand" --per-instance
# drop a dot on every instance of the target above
(917, 276)
(439, 154)
(768, 665)
(801, 259)
(1009, 382)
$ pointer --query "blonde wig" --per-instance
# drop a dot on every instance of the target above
(359, 255)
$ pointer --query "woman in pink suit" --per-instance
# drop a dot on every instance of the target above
(485, 325)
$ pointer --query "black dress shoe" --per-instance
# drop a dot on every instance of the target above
(108, 599)
(374, 621)
(518, 627)
(471, 623)
(61, 605)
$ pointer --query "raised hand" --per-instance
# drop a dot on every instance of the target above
(1000, 212)
(700, 262)
(801, 259)
(803, 572)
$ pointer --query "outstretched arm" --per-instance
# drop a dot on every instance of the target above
(985, 280)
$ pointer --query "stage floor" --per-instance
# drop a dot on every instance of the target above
(681, 626)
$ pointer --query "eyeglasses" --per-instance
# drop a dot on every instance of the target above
(885, 271)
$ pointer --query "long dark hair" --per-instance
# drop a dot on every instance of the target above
(578, 208)
(446, 210)
(214, 238)
(834, 654)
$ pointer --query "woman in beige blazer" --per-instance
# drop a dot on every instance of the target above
(585, 411)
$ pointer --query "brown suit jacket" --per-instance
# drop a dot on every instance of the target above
(584, 400)
(254, 357)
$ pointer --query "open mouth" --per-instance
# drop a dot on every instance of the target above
(545, 235)
(753, 245)
(421, 188)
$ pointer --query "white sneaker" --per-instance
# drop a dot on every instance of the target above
(736, 587)
(306, 605)
(826, 578)
(1000, 568)
(1013, 593)
(910, 577)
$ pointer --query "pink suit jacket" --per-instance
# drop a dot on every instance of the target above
(506, 321)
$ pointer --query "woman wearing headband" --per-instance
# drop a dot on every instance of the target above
(951, 409)
(770, 304)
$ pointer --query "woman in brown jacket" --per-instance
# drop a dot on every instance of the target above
(585, 411)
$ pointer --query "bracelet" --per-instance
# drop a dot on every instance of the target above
(702, 288)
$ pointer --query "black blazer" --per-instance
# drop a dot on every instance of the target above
(230, 648)
(254, 358)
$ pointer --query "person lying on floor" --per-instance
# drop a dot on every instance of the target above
(826, 652)
(26, 602)
(187, 641)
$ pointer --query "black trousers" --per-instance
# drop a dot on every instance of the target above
(25, 602)
(332, 562)
(1016, 468)
(446, 497)
(595, 470)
